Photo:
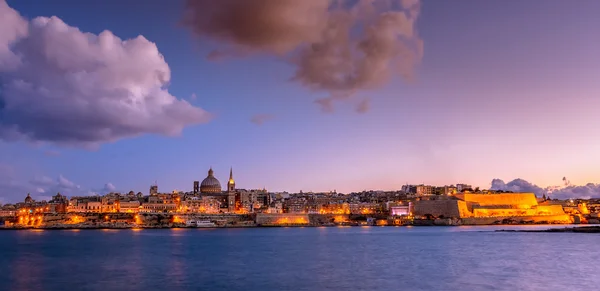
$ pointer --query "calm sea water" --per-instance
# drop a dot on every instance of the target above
(335, 258)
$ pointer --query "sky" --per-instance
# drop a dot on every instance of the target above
(115, 96)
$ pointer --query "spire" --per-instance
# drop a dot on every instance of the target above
(210, 171)
(231, 173)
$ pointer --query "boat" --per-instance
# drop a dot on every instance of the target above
(200, 223)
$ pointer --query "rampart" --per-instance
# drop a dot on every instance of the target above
(486, 205)
(267, 219)
(520, 200)
(544, 219)
(437, 208)
(128, 220)
(534, 211)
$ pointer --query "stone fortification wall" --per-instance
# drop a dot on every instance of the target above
(218, 217)
(551, 219)
(108, 220)
(492, 207)
(550, 210)
(327, 219)
(282, 219)
(525, 200)
(437, 208)
(488, 211)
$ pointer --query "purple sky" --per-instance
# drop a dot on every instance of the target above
(503, 89)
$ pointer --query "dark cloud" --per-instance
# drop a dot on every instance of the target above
(259, 119)
(363, 106)
(519, 185)
(275, 26)
(338, 46)
(64, 86)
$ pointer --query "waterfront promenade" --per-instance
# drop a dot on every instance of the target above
(156, 220)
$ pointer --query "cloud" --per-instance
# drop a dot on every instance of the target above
(64, 86)
(275, 26)
(339, 46)
(51, 153)
(259, 119)
(364, 106)
(15, 189)
(42, 198)
(42, 181)
(12, 28)
(587, 191)
(516, 185)
(109, 187)
(193, 96)
(326, 104)
(66, 183)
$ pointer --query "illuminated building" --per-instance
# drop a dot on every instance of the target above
(129, 206)
(400, 210)
(196, 187)
(58, 204)
(463, 187)
(8, 211)
(208, 196)
(231, 193)
(153, 189)
(485, 205)
(365, 208)
(231, 182)
(161, 203)
(28, 199)
(210, 184)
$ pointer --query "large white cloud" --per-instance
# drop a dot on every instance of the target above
(61, 85)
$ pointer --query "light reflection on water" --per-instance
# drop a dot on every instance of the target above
(332, 258)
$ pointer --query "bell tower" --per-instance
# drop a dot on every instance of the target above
(231, 182)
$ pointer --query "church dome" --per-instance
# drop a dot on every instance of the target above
(210, 184)
(28, 199)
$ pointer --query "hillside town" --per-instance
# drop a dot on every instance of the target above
(413, 204)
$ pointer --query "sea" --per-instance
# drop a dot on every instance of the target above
(307, 258)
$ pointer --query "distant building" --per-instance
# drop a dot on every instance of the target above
(399, 210)
(58, 204)
(196, 190)
(153, 189)
(461, 187)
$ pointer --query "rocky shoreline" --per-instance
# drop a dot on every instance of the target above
(162, 221)
(582, 229)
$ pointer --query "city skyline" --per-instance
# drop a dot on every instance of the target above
(510, 97)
